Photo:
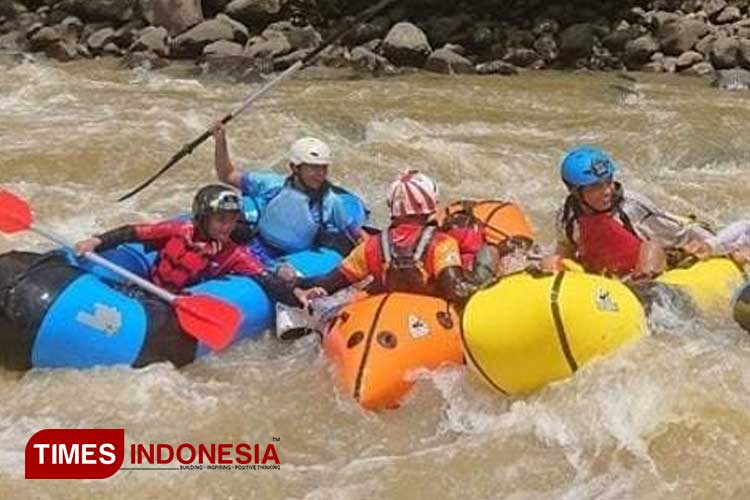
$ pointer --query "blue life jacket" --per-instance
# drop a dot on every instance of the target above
(291, 221)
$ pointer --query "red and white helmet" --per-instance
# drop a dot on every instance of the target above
(413, 193)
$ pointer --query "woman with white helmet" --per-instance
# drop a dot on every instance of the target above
(299, 212)
(413, 255)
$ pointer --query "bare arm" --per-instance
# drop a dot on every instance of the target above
(225, 169)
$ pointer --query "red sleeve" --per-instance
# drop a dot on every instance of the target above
(162, 230)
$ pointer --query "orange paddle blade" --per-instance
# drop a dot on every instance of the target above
(210, 320)
(15, 213)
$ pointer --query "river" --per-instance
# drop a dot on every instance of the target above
(666, 417)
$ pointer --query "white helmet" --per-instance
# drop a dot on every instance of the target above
(311, 151)
(413, 193)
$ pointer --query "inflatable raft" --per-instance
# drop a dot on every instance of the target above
(56, 311)
(527, 331)
(377, 344)
(712, 285)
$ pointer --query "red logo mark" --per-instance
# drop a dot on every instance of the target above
(75, 453)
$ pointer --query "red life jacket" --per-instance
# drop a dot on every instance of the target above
(606, 245)
(180, 264)
(400, 265)
(470, 239)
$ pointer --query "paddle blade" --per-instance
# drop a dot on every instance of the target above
(210, 320)
(15, 213)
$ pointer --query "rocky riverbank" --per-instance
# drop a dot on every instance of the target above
(244, 38)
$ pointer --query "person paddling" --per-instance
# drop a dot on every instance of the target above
(198, 249)
(299, 212)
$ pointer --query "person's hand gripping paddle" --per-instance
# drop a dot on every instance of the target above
(208, 319)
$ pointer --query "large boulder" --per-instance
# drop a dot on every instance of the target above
(639, 51)
(100, 10)
(406, 45)
(255, 13)
(577, 42)
(744, 54)
(99, 39)
(688, 59)
(174, 15)
(365, 60)
(153, 39)
(680, 36)
(191, 43)
(448, 62)
(729, 15)
(282, 38)
(725, 53)
(547, 48)
(616, 40)
(714, 8)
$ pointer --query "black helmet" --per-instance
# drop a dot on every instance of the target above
(215, 198)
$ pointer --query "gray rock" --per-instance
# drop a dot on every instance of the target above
(223, 48)
(546, 47)
(99, 39)
(653, 67)
(11, 9)
(112, 48)
(174, 15)
(705, 45)
(725, 53)
(62, 51)
(255, 13)
(269, 45)
(191, 43)
(496, 68)
(100, 10)
(616, 40)
(688, 59)
(154, 40)
(241, 33)
(744, 54)
(236, 68)
(14, 41)
(660, 19)
(713, 8)
(700, 69)
(577, 41)
(639, 51)
(732, 79)
(522, 57)
(669, 64)
(448, 62)
(681, 36)
(729, 15)
(145, 60)
(364, 59)
(406, 45)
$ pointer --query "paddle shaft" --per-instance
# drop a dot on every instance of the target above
(188, 148)
(97, 259)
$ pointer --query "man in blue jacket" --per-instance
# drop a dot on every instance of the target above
(298, 212)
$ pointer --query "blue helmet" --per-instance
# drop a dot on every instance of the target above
(586, 166)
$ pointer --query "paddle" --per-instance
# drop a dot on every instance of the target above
(208, 319)
(188, 148)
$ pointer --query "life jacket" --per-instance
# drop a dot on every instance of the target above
(402, 268)
(473, 223)
(287, 222)
(180, 264)
(607, 241)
